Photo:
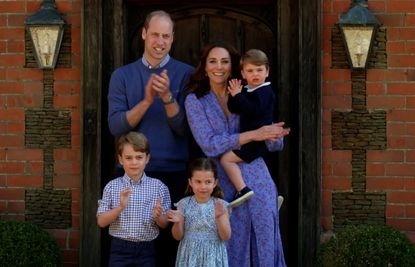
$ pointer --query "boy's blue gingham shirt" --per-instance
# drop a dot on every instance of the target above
(136, 222)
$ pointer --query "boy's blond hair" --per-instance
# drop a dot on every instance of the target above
(137, 140)
(255, 57)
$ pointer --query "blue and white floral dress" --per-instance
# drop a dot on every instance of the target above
(201, 245)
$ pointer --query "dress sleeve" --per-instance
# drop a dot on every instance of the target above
(277, 145)
(209, 130)
(181, 206)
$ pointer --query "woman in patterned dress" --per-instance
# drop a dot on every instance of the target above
(201, 222)
(256, 239)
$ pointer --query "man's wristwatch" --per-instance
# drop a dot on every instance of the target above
(170, 100)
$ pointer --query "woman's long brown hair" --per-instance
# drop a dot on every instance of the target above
(199, 81)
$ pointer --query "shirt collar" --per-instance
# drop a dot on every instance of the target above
(130, 181)
(162, 64)
(252, 89)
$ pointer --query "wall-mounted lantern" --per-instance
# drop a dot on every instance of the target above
(358, 27)
(45, 28)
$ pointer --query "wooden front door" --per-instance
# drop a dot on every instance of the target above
(274, 27)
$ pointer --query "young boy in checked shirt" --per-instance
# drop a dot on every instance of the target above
(134, 206)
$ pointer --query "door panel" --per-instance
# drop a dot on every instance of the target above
(196, 27)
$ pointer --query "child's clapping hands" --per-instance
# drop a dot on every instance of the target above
(174, 216)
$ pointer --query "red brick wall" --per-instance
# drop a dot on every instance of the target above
(22, 88)
(392, 89)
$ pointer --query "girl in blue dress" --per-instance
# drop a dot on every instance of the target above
(201, 221)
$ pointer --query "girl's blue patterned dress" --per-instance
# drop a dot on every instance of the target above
(201, 245)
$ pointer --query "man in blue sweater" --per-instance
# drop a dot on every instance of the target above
(147, 96)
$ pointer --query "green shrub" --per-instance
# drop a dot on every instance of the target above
(25, 244)
(367, 245)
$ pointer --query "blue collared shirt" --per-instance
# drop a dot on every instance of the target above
(136, 222)
(162, 64)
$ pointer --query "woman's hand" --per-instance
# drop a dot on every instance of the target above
(274, 131)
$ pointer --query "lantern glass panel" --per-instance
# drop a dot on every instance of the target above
(45, 40)
(358, 39)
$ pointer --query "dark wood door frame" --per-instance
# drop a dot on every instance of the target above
(299, 77)
(90, 243)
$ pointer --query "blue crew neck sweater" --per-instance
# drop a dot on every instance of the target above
(167, 136)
